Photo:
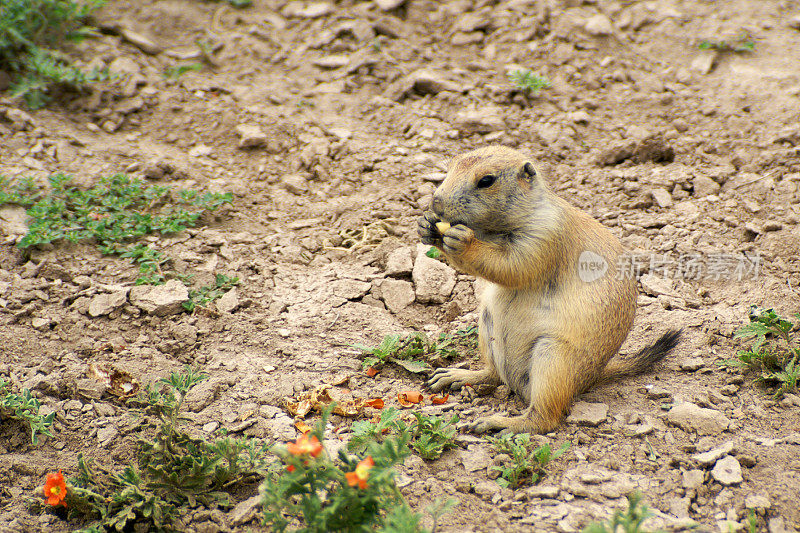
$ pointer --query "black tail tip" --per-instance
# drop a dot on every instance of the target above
(656, 352)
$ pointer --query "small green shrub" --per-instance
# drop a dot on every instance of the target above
(428, 436)
(528, 81)
(407, 350)
(32, 32)
(113, 214)
(25, 407)
(741, 45)
(774, 352)
(528, 463)
(175, 471)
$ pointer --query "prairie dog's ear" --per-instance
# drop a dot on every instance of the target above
(528, 171)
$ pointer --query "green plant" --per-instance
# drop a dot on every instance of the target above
(208, 293)
(174, 471)
(741, 44)
(432, 435)
(428, 436)
(774, 352)
(347, 494)
(528, 81)
(433, 253)
(31, 33)
(25, 407)
(112, 215)
(406, 351)
(527, 463)
(627, 521)
(176, 71)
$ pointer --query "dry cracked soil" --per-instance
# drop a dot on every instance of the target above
(332, 123)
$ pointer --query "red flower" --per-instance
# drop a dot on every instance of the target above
(305, 445)
(360, 475)
(55, 489)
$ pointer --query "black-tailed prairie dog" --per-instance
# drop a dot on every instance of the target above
(555, 312)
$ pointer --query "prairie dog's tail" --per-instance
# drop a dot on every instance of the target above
(641, 362)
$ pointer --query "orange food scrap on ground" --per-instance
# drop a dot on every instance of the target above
(409, 398)
(302, 427)
(371, 372)
(376, 403)
(439, 400)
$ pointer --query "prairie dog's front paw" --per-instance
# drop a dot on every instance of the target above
(456, 239)
(427, 229)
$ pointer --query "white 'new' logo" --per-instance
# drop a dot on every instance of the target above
(591, 266)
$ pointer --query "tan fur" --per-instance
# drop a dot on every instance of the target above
(543, 331)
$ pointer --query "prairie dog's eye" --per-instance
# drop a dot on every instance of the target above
(486, 181)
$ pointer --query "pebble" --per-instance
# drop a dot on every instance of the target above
(691, 417)
(433, 280)
(250, 136)
(160, 300)
(484, 120)
(229, 302)
(759, 502)
(727, 471)
(588, 414)
(399, 262)
(103, 304)
(388, 5)
(704, 186)
(397, 294)
(704, 62)
(245, 511)
(710, 457)
(692, 479)
(474, 458)
(662, 197)
(486, 490)
(599, 25)
(294, 183)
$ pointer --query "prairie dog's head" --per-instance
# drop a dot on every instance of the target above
(487, 190)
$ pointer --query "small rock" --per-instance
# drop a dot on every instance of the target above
(160, 300)
(13, 220)
(486, 490)
(588, 414)
(485, 120)
(691, 364)
(229, 302)
(616, 153)
(200, 150)
(655, 393)
(106, 435)
(245, 510)
(704, 62)
(429, 82)
(599, 25)
(794, 22)
(656, 286)
(399, 262)
(388, 5)
(704, 186)
(250, 136)
(543, 491)
(474, 458)
(332, 61)
(433, 280)
(294, 183)
(692, 479)
(315, 10)
(140, 41)
(691, 417)
(710, 457)
(662, 197)
(727, 471)
(350, 289)
(397, 294)
(759, 502)
(772, 225)
(202, 395)
(41, 324)
(124, 65)
(103, 304)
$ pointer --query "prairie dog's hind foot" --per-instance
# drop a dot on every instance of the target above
(456, 378)
(510, 424)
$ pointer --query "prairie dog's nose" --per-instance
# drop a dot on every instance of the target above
(437, 205)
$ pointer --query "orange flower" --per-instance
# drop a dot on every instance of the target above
(360, 475)
(55, 489)
(305, 445)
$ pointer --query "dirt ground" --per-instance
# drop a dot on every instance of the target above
(681, 152)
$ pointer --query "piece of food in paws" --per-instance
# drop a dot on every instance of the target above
(441, 227)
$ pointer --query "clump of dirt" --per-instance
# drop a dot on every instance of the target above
(332, 123)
